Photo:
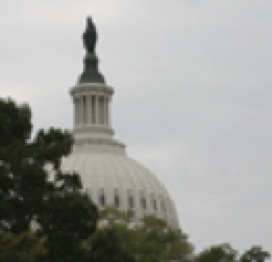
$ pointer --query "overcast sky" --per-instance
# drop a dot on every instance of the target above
(192, 96)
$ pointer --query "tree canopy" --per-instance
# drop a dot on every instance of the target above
(255, 254)
(217, 253)
(225, 253)
(151, 239)
(63, 215)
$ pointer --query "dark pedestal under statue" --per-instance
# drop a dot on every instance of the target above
(90, 73)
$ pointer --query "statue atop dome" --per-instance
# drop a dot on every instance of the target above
(90, 36)
(90, 73)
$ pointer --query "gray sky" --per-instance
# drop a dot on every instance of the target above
(192, 102)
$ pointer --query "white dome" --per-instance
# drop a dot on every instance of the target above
(114, 179)
(109, 177)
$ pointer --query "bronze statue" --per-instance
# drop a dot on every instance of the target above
(89, 36)
(90, 73)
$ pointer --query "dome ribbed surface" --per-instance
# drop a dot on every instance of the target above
(113, 174)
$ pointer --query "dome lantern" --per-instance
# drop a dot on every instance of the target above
(91, 99)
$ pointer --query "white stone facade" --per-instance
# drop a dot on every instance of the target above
(108, 175)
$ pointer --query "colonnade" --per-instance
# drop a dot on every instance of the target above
(90, 110)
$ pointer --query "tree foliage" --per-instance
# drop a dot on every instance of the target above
(150, 240)
(110, 244)
(255, 254)
(224, 252)
(217, 253)
(23, 247)
(64, 216)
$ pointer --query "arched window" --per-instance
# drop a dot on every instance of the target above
(163, 206)
(116, 200)
(130, 202)
(154, 204)
(102, 199)
(143, 202)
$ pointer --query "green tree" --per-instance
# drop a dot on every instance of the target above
(110, 244)
(150, 240)
(255, 254)
(156, 241)
(64, 216)
(23, 247)
(218, 253)
(68, 220)
(111, 241)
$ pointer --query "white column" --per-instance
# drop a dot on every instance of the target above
(75, 111)
(81, 110)
(109, 111)
(84, 110)
(89, 110)
(96, 110)
(105, 111)
(101, 110)
(93, 110)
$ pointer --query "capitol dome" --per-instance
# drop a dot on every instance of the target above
(109, 177)
(116, 180)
